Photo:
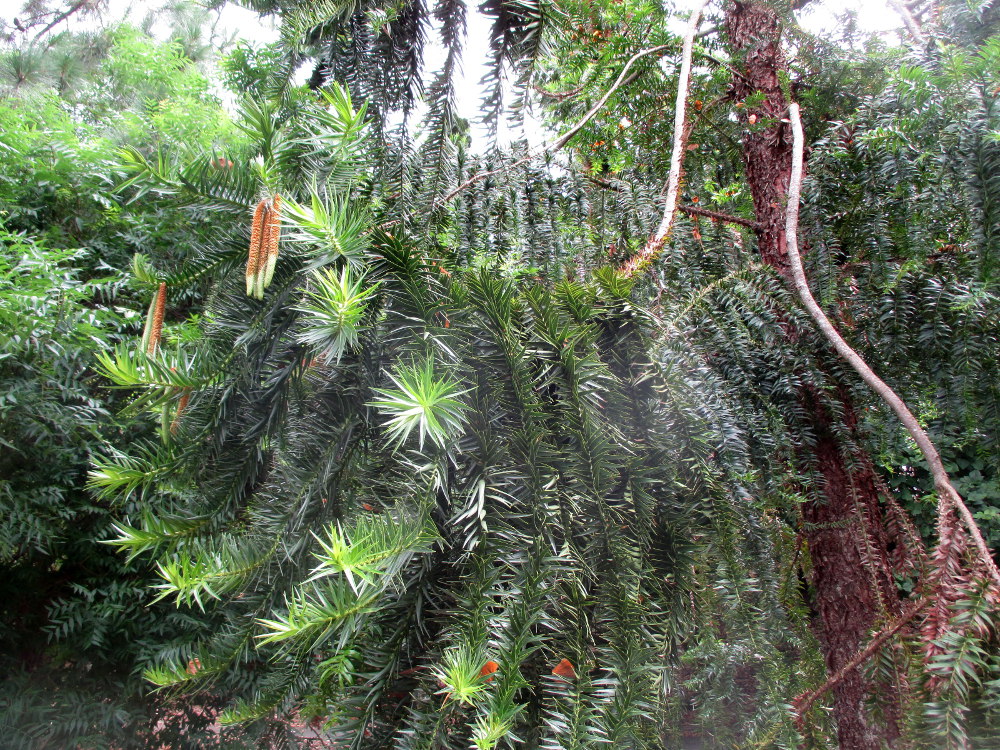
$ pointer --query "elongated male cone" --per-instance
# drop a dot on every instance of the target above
(257, 235)
(271, 243)
(156, 329)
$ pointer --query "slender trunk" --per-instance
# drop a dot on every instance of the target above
(847, 542)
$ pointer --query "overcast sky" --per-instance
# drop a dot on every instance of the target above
(819, 16)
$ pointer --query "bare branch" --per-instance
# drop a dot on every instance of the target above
(601, 183)
(912, 25)
(706, 32)
(60, 18)
(557, 95)
(622, 79)
(805, 701)
(942, 482)
(568, 135)
(681, 131)
(718, 216)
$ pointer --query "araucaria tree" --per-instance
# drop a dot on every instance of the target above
(521, 447)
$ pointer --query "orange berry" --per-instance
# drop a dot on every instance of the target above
(564, 669)
(489, 668)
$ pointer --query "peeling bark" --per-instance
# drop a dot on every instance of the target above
(854, 592)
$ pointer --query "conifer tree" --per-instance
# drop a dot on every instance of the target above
(447, 476)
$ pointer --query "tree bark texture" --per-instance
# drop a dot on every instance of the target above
(754, 33)
(843, 526)
(854, 590)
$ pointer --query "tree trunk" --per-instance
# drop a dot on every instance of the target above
(854, 590)
(852, 578)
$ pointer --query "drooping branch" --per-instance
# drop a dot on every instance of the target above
(942, 483)
(655, 244)
(623, 79)
(805, 701)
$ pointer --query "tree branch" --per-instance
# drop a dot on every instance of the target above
(655, 244)
(622, 80)
(912, 25)
(59, 19)
(805, 701)
(727, 218)
(567, 136)
(942, 482)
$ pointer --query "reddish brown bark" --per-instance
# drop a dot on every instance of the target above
(854, 591)
(843, 525)
(755, 35)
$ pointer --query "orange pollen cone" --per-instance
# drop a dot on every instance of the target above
(256, 230)
(181, 406)
(158, 312)
(273, 227)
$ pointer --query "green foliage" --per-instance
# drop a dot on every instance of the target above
(79, 621)
(504, 473)
(48, 414)
(422, 402)
(336, 310)
(251, 71)
(450, 481)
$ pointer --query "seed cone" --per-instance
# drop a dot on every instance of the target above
(488, 669)
(564, 669)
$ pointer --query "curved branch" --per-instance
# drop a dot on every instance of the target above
(912, 25)
(718, 216)
(942, 483)
(567, 136)
(623, 80)
(59, 19)
(655, 244)
(805, 701)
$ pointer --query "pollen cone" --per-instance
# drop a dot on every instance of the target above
(271, 242)
(156, 326)
(181, 406)
(254, 255)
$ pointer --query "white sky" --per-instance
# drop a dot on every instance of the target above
(820, 15)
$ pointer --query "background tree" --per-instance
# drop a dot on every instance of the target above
(78, 620)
